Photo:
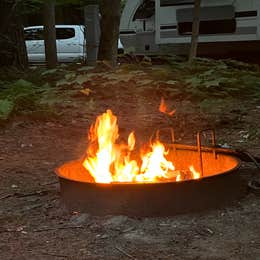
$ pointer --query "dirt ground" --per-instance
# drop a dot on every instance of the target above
(34, 223)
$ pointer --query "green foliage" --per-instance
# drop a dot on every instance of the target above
(6, 108)
(123, 3)
(77, 2)
(162, 74)
(213, 105)
(212, 85)
(23, 97)
(29, 6)
(218, 78)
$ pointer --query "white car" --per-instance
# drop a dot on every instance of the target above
(70, 43)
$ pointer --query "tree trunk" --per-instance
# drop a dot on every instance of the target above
(195, 30)
(110, 19)
(12, 43)
(91, 17)
(50, 33)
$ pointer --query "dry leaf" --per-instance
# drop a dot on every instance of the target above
(86, 91)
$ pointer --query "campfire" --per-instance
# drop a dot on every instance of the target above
(108, 161)
(123, 177)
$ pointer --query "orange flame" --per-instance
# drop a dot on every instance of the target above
(108, 161)
(163, 108)
(195, 174)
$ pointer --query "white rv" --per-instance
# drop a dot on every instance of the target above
(159, 26)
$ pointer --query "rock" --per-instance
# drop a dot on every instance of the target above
(115, 221)
(79, 219)
(139, 236)
(104, 236)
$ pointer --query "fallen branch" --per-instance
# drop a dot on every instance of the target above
(56, 228)
(40, 230)
(9, 231)
(35, 193)
(23, 195)
(28, 208)
(49, 183)
(124, 252)
(55, 255)
(6, 196)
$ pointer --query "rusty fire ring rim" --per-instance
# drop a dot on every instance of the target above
(153, 199)
(236, 167)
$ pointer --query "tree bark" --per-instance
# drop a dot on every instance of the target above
(195, 30)
(110, 18)
(12, 43)
(91, 17)
(50, 34)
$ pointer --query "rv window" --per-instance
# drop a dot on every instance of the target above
(64, 33)
(33, 34)
(246, 14)
(213, 20)
(37, 34)
(209, 27)
(175, 2)
(145, 10)
(206, 13)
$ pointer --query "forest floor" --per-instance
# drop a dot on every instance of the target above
(46, 115)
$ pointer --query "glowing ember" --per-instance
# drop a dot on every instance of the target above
(107, 161)
(163, 108)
